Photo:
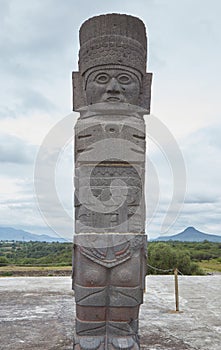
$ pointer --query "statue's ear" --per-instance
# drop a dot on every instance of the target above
(79, 96)
(145, 95)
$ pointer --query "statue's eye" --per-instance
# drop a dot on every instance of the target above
(124, 79)
(102, 78)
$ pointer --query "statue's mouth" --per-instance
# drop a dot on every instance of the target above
(113, 99)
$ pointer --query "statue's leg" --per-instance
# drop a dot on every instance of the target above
(126, 296)
(89, 284)
(108, 298)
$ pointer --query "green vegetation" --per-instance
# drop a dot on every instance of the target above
(35, 253)
(6, 274)
(211, 265)
(190, 258)
(165, 257)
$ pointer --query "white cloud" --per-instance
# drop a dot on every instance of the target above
(30, 128)
(15, 150)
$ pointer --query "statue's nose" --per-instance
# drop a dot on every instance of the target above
(113, 86)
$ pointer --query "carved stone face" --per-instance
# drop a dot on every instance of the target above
(112, 85)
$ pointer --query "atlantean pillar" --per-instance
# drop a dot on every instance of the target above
(112, 93)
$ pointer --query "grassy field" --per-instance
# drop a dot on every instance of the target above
(212, 265)
(13, 270)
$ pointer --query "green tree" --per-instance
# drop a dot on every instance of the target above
(165, 257)
(3, 261)
(161, 256)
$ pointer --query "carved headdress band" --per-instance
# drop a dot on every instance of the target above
(112, 39)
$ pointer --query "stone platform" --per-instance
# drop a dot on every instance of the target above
(37, 313)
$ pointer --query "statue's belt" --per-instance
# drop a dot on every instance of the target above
(113, 255)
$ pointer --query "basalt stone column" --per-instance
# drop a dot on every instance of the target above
(112, 93)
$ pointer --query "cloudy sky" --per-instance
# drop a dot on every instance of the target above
(39, 48)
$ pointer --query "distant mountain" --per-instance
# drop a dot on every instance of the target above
(11, 234)
(190, 234)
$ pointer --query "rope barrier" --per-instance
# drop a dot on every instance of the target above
(168, 270)
(158, 269)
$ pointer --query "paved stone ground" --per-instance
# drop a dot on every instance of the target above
(37, 313)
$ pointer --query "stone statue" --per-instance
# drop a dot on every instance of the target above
(112, 93)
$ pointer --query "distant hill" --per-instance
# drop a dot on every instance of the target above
(11, 234)
(190, 234)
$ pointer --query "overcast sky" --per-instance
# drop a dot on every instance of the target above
(39, 50)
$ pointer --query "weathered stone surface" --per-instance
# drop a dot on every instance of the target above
(110, 165)
(109, 275)
(110, 245)
(117, 42)
(37, 313)
(107, 39)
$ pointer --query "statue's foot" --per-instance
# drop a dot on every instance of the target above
(89, 343)
(112, 343)
(123, 343)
